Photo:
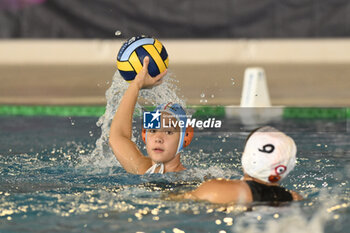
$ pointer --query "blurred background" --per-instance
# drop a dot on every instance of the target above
(55, 52)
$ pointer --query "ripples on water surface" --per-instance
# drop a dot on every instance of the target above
(50, 181)
(59, 175)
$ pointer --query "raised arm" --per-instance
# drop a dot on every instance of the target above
(125, 150)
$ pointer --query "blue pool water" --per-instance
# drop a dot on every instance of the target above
(52, 180)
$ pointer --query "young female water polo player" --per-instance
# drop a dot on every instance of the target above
(163, 145)
(268, 157)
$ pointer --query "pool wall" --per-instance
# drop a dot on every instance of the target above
(310, 72)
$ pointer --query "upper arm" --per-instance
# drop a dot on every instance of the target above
(222, 191)
(120, 134)
(129, 155)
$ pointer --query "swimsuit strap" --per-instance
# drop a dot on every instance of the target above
(152, 169)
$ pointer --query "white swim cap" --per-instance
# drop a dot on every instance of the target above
(269, 155)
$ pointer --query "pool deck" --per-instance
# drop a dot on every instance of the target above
(299, 73)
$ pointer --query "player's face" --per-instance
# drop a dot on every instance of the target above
(162, 143)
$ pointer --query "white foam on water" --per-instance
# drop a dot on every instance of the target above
(103, 156)
(288, 219)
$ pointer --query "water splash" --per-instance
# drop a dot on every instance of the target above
(287, 219)
(103, 156)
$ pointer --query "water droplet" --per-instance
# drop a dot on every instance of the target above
(233, 81)
(117, 33)
(228, 220)
(202, 95)
(212, 96)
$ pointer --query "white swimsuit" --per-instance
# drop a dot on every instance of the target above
(152, 169)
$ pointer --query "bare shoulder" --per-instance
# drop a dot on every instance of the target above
(296, 196)
(223, 183)
(222, 191)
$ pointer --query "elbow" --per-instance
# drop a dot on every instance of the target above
(114, 136)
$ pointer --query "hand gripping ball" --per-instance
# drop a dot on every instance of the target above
(133, 51)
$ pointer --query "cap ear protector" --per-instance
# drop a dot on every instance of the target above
(187, 139)
(188, 136)
(144, 135)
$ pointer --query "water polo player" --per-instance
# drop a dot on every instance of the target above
(268, 157)
(163, 145)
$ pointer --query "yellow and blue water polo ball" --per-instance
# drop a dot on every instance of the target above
(133, 51)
